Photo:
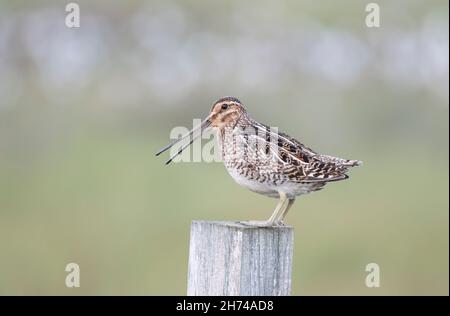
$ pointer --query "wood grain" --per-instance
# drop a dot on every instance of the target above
(231, 258)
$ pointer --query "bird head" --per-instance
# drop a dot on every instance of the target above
(225, 112)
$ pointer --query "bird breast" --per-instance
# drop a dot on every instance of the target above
(247, 162)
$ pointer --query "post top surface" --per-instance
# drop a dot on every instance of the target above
(241, 225)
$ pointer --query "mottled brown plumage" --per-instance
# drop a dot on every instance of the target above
(267, 161)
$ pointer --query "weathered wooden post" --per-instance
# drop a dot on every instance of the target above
(230, 258)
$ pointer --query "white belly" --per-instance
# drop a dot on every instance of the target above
(252, 185)
(291, 189)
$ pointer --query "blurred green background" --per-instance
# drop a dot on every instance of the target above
(83, 110)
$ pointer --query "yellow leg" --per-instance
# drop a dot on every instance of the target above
(282, 204)
(283, 213)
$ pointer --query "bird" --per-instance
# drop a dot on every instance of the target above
(265, 160)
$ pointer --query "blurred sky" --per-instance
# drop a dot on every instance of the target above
(82, 111)
(151, 61)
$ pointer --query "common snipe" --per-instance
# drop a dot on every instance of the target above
(264, 160)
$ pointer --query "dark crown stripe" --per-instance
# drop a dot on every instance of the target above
(224, 99)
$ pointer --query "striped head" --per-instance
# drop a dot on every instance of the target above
(226, 112)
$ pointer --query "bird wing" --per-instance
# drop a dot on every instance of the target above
(297, 162)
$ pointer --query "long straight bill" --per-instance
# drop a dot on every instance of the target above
(201, 127)
(182, 148)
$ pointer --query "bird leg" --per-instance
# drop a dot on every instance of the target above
(280, 206)
(279, 220)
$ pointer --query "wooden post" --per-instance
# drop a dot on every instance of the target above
(231, 258)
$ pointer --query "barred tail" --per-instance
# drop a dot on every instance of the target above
(353, 163)
(341, 161)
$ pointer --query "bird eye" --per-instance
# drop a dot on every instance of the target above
(224, 106)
